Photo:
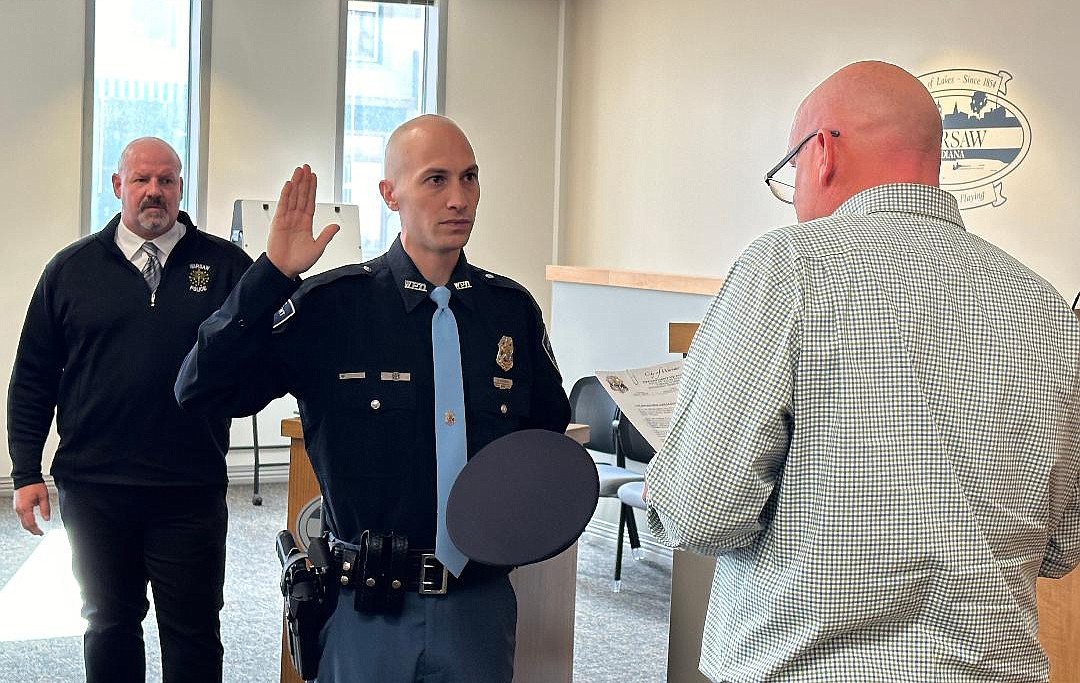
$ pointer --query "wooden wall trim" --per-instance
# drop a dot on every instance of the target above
(664, 282)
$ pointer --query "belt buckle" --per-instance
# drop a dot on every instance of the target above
(425, 565)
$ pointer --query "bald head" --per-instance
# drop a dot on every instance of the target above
(432, 181)
(410, 139)
(148, 184)
(146, 146)
(890, 132)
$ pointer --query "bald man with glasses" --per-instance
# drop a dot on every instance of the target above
(878, 427)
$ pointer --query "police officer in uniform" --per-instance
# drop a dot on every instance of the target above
(360, 349)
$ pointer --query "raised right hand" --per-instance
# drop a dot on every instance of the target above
(290, 245)
(26, 499)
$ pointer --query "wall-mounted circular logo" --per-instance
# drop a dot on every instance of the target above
(309, 523)
(985, 137)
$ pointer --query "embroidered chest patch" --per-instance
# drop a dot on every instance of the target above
(198, 277)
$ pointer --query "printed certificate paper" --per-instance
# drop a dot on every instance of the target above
(646, 396)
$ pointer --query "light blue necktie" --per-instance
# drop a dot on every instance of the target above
(450, 443)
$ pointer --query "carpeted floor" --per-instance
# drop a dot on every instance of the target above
(619, 637)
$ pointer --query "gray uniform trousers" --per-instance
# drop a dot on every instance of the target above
(465, 636)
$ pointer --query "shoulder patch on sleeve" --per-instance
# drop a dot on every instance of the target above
(284, 313)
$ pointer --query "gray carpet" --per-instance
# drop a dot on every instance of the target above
(619, 636)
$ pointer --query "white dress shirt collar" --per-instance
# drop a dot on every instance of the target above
(130, 244)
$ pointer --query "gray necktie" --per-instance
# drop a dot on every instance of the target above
(450, 443)
(151, 271)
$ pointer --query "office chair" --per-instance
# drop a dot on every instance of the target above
(590, 404)
(631, 446)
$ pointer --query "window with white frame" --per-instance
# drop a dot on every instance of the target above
(143, 63)
(390, 69)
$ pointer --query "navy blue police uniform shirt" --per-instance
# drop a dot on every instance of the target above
(353, 345)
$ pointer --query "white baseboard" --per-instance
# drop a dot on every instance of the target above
(268, 473)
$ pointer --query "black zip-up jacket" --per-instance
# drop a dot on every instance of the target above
(98, 351)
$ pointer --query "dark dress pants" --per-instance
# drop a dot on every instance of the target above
(123, 536)
(465, 636)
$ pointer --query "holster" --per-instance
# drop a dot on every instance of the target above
(310, 598)
(380, 566)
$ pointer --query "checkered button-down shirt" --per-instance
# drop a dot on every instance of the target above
(877, 435)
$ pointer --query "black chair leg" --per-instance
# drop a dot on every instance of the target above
(631, 530)
(616, 584)
(256, 498)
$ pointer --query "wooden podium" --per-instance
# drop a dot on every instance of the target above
(691, 582)
(545, 591)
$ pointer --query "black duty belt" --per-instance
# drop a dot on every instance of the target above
(419, 573)
(381, 569)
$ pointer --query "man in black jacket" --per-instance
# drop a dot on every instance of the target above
(141, 482)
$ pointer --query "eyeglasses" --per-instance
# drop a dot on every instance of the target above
(785, 192)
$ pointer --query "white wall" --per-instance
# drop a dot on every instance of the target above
(273, 100)
(501, 77)
(675, 110)
(41, 48)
